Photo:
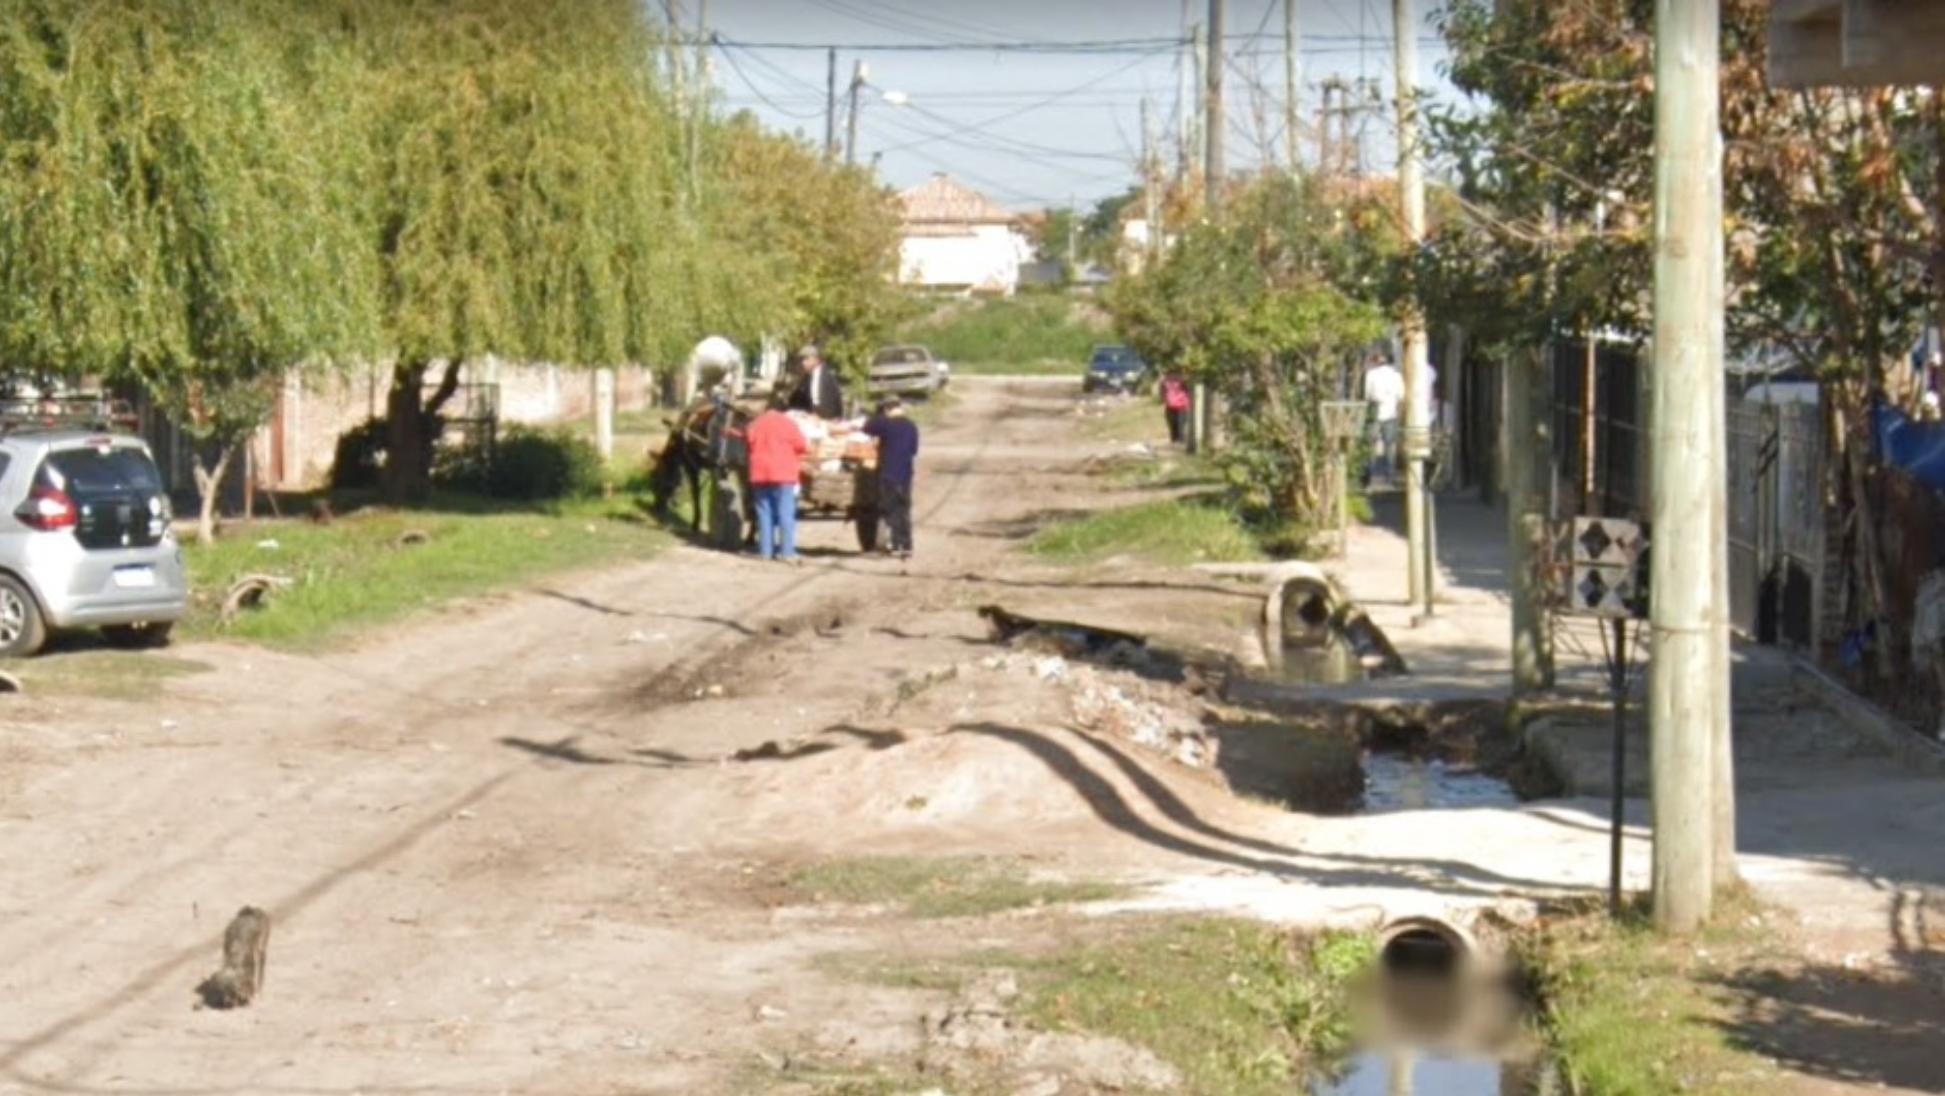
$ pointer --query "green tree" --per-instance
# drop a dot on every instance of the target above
(161, 220)
(1269, 306)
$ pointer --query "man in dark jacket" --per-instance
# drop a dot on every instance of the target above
(819, 391)
(897, 464)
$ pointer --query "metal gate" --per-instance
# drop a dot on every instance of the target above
(1776, 521)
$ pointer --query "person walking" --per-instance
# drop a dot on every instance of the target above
(1175, 405)
(1384, 390)
(777, 449)
(821, 391)
(897, 438)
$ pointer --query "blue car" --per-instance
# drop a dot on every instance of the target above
(1113, 369)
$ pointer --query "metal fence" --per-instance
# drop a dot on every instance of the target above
(1776, 501)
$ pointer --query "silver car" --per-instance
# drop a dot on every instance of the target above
(84, 540)
(906, 371)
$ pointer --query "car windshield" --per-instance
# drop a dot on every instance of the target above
(904, 355)
(1115, 357)
(90, 473)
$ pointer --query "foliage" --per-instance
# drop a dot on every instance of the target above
(1171, 531)
(930, 887)
(353, 574)
(827, 237)
(359, 457)
(1270, 306)
(1831, 202)
(1237, 1007)
(1004, 334)
(161, 221)
(528, 465)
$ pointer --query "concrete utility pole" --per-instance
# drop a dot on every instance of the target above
(1290, 84)
(1687, 678)
(698, 99)
(1212, 169)
(830, 105)
(858, 74)
(1212, 172)
(1418, 394)
(1151, 188)
(1526, 394)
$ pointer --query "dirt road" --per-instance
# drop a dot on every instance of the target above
(550, 842)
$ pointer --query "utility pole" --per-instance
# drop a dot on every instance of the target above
(830, 105)
(1198, 139)
(858, 73)
(1212, 169)
(672, 9)
(1290, 84)
(1418, 394)
(1073, 234)
(1151, 197)
(1212, 175)
(698, 100)
(1185, 103)
(1686, 670)
(1327, 97)
(1526, 393)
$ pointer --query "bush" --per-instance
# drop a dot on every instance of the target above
(529, 466)
(1054, 328)
(360, 455)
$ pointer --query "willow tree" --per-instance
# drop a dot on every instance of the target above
(518, 193)
(162, 215)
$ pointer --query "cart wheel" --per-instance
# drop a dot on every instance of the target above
(867, 530)
(727, 507)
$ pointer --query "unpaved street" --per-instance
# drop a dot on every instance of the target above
(544, 843)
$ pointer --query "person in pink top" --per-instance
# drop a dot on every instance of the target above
(1175, 404)
(777, 449)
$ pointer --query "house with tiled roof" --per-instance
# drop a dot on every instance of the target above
(957, 240)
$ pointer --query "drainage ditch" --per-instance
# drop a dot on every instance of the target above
(1442, 1016)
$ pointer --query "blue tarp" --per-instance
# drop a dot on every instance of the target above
(1916, 447)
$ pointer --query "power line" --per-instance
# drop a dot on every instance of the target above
(737, 67)
(1326, 43)
(1041, 103)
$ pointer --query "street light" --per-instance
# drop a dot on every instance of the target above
(860, 79)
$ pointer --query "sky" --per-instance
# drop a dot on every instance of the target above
(1043, 129)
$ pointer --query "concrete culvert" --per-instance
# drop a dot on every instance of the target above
(1424, 947)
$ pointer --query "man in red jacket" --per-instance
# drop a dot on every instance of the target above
(777, 451)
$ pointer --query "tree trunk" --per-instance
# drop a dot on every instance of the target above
(209, 485)
(410, 420)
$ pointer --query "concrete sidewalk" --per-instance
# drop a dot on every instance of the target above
(1835, 822)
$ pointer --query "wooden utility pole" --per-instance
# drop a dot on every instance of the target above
(1290, 84)
(1686, 674)
(1418, 395)
(830, 105)
(858, 74)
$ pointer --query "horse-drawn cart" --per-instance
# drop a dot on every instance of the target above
(706, 450)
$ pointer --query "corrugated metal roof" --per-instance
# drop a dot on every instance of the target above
(941, 200)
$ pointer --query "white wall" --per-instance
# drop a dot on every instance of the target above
(989, 258)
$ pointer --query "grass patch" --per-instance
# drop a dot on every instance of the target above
(1012, 334)
(103, 675)
(1237, 1007)
(1168, 469)
(928, 887)
(1170, 532)
(1632, 1014)
(350, 575)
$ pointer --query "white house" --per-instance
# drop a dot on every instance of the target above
(957, 239)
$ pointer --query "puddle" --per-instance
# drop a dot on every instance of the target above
(1389, 1073)
(1397, 782)
(1334, 662)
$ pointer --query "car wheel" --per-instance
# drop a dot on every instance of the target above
(137, 637)
(23, 631)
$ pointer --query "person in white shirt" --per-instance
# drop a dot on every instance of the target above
(1384, 390)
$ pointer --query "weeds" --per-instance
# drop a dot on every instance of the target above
(1050, 334)
(1237, 1007)
(930, 887)
(1170, 532)
(353, 574)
